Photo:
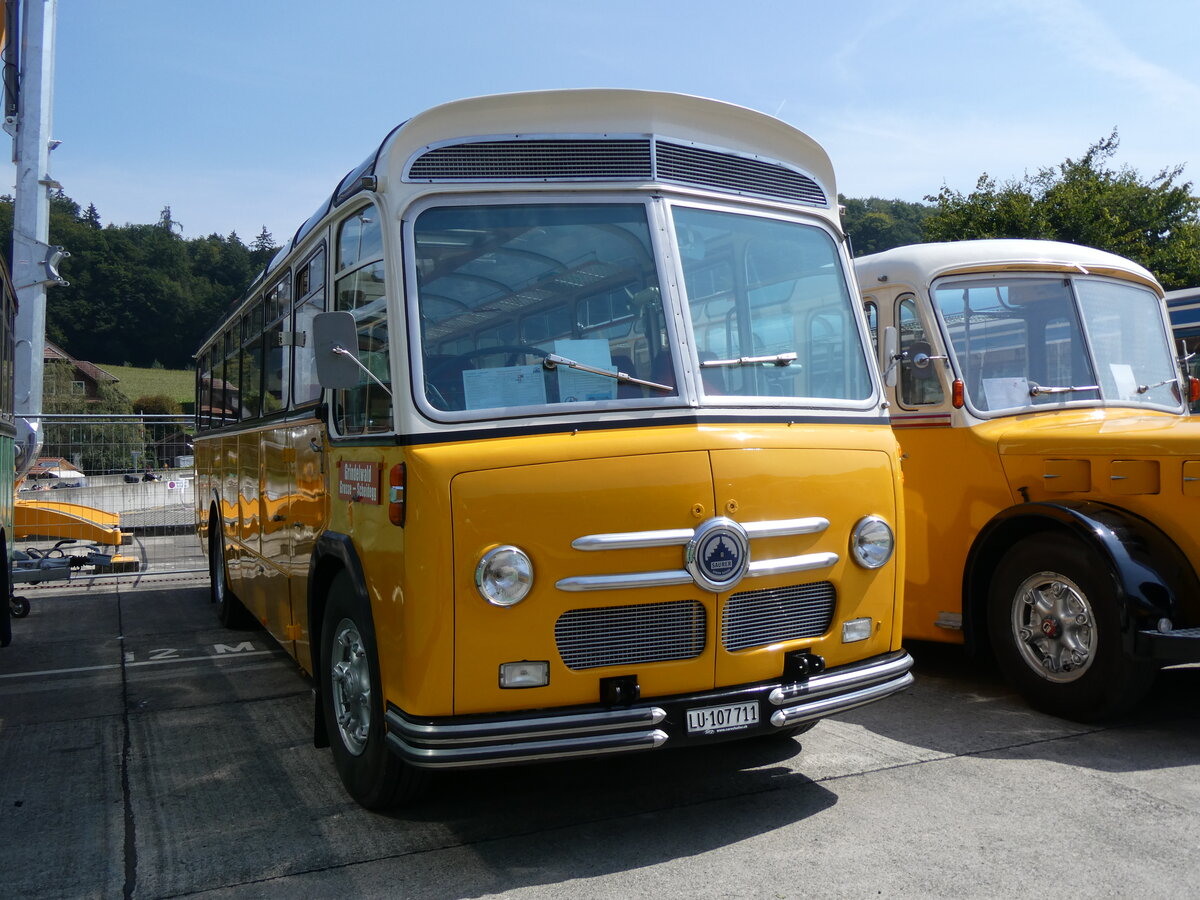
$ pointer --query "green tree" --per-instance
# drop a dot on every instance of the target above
(262, 249)
(875, 224)
(137, 293)
(1154, 221)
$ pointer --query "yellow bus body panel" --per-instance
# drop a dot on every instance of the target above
(542, 492)
(957, 479)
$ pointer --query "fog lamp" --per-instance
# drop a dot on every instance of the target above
(856, 630)
(871, 542)
(524, 674)
(504, 575)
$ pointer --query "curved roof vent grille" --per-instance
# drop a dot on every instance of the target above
(740, 174)
(614, 159)
(534, 160)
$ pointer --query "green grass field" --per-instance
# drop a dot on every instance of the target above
(178, 384)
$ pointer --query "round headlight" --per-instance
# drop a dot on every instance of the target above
(872, 542)
(504, 575)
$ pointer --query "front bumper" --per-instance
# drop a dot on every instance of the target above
(481, 741)
(1178, 646)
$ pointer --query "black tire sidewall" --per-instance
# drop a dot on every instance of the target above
(372, 777)
(230, 611)
(1110, 681)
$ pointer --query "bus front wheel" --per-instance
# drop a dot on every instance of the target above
(1054, 621)
(352, 702)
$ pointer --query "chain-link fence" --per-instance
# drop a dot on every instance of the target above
(108, 496)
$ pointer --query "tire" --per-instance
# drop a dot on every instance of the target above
(1055, 626)
(352, 704)
(19, 607)
(230, 611)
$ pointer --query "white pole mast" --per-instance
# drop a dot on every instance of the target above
(34, 260)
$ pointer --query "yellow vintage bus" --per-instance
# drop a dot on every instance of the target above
(555, 432)
(1051, 473)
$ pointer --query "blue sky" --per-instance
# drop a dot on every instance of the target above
(244, 113)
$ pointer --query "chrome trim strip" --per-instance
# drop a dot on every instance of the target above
(631, 540)
(842, 679)
(669, 537)
(627, 580)
(531, 751)
(803, 563)
(521, 729)
(828, 706)
(624, 580)
(784, 527)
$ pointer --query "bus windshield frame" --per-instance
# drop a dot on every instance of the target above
(506, 295)
(1056, 341)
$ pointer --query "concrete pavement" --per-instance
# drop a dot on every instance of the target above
(150, 753)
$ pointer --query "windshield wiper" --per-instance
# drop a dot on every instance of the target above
(553, 360)
(779, 359)
(1035, 389)
(1146, 388)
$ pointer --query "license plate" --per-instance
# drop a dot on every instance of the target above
(730, 717)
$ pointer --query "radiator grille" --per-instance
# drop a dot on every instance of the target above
(758, 618)
(614, 159)
(621, 635)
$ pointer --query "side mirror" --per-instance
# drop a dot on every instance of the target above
(334, 333)
(919, 353)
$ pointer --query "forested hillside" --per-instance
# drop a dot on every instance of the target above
(138, 294)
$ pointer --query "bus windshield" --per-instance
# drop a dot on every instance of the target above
(532, 305)
(501, 288)
(1023, 342)
(770, 309)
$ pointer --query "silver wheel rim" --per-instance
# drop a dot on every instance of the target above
(351, 686)
(1054, 627)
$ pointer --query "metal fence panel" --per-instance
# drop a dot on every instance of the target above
(109, 495)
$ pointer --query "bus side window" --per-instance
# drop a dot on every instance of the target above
(232, 394)
(914, 391)
(310, 300)
(360, 289)
(275, 353)
(252, 362)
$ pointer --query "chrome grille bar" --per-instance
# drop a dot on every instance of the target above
(624, 580)
(804, 563)
(629, 540)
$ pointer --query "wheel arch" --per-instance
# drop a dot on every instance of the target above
(1152, 576)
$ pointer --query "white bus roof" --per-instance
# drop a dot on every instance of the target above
(613, 113)
(917, 265)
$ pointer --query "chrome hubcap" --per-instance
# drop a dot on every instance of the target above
(351, 686)
(1053, 624)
